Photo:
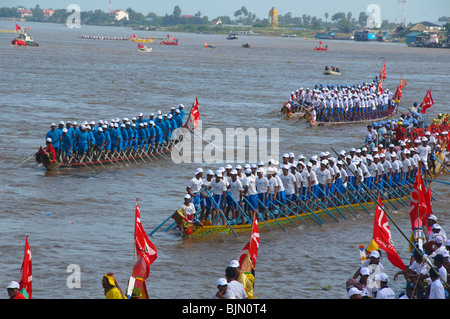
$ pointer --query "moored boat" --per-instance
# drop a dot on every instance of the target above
(232, 36)
(246, 45)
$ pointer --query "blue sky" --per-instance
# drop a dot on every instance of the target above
(416, 10)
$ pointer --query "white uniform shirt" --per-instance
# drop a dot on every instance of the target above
(195, 185)
(288, 183)
(218, 187)
(261, 185)
(237, 289)
(235, 188)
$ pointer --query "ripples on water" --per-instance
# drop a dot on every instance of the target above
(85, 218)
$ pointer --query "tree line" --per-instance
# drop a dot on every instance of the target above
(341, 21)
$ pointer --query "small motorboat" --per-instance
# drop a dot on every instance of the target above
(246, 45)
(232, 36)
(144, 48)
(24, 39)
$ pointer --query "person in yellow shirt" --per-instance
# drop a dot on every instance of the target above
(243, 279)
(111, 287)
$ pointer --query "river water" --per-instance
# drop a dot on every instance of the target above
(85, 218)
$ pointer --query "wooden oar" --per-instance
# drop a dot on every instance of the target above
(318, 221)
(282, 212)
(160, 225)
(25, 160)
(322, 206)
(283, 205)
(223, 215)
(256, 211)
(329, 199)
(270, 214)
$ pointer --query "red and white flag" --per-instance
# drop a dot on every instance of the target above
(383, 71)
(26, 278)
(251, 248)
(194, 116)
(427, 101)
(398, 94)
(144, 247)
(380, 86)
(382, 236)
(419, 205)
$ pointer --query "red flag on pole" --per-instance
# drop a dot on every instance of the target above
(382, 236)
(427, 101)
(144, 247)
(398, 94)
(194, 116)
(17, 27)
(26, 278)
(383, 71)
(403, 82)
(419, 208)
(250, 251)
(380, 85)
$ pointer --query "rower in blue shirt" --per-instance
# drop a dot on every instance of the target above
(107, 146)
(124, 135)
(142, 136)
(66, 145)
(178, 118)
(100, 142)
(152, 134)
(181, 108)
(83, 141)
(56, 138)
(114, 137)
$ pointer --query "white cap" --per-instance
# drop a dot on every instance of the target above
(187, 196)
(375, 254)
(199, 170)
(222, 282)
(49, 140)
(13, 285)
(383, 277)
(364, 271)
(354, 291)
(209, 172)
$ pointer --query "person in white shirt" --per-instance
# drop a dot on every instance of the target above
(223, 291)
(424, 151)
(219, 190)
(437, 290)
(190, 210)
(233, 285)
(262, 188)
(385, 291)
(324, 178)
(273, 187)
(250, 193)
(194, 186)
(289, 183)
(236, 194)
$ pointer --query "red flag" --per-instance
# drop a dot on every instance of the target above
(427, 101)
(419, 202)
(380, 86)
(144, 247)
(251, 248)
(383, 72)
(26, 278)
(17, 27)
(140, 45)
(398, 94)
(194, 116)
(382, 236)
(403, 82)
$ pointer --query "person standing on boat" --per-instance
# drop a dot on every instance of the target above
(182, 112)
(66, 145)
(100, 142)
(243, 279)
(111, 287)
(235, 286)
(219, 191)
(236, 195)
(194, 187)
(83, 143)
(54, 135)
(424, 151)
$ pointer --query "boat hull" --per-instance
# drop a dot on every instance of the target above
(329, 72)
(212, 230)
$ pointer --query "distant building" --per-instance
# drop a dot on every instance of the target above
(216, 22)
(120, 14)
(48, 13)
(25, 12)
